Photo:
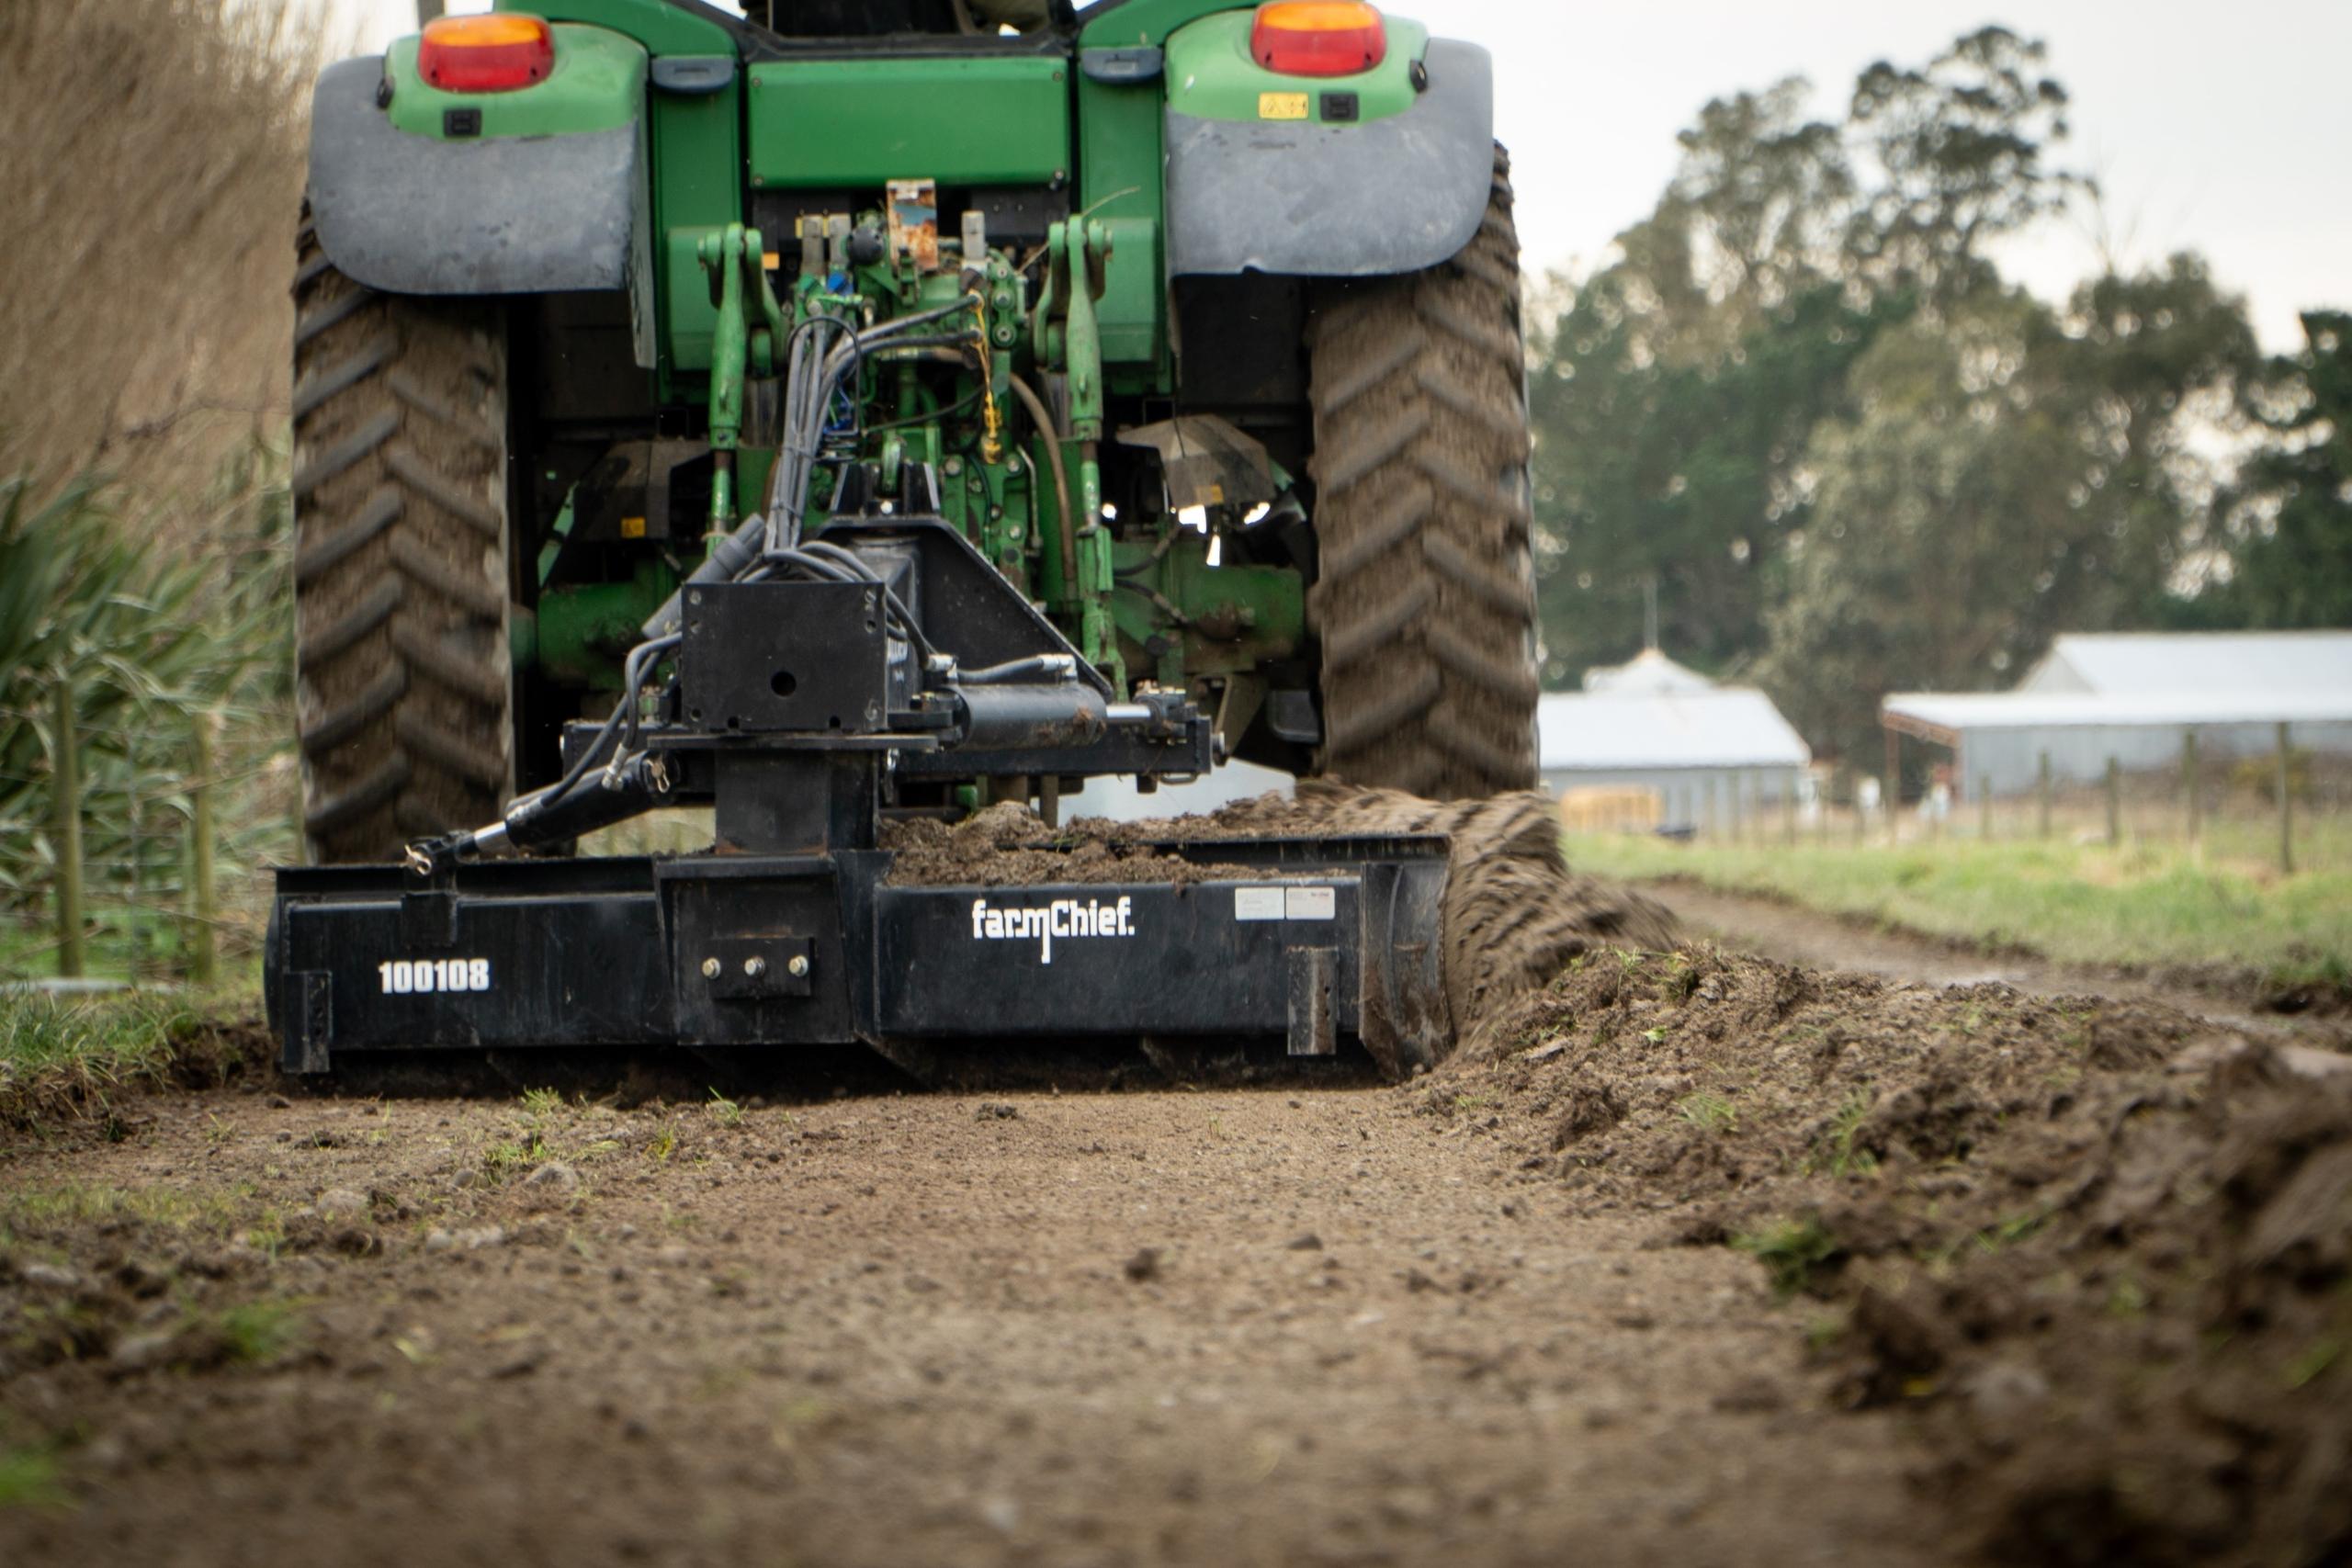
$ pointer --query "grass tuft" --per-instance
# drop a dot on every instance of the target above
(66, 1059)
(1708, 1113)
(1835, 1153)
(257, 1333)
(28, 1477)
(1796, 1253)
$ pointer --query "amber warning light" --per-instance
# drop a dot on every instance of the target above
(1319, 37)
(495, 53)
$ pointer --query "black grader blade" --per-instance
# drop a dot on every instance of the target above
(1327, 941)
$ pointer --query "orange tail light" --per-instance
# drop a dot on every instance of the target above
(1319, 37)
(493, 53)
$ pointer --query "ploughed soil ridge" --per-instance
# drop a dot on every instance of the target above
(2101, 1250)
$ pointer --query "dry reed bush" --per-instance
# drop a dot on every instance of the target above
(152, 152)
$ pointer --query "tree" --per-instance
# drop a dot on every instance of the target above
(2011, 472)
(1935, 552)
(144, 644)
(1959, 148)
(1674, 397)
(2288, 517)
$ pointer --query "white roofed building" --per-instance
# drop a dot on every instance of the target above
(2135, 696)
(1710, 753)
(2168, 664)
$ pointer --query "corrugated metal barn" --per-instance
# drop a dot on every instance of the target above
(1710, 753)
(2136, 697)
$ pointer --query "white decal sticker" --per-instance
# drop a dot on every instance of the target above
(1257, 903)
(1047, 924)
(1311, 903)
(410, 976)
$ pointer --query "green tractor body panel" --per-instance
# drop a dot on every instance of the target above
(668, 212)
(698, 152)
(663, 28)
(978, 121)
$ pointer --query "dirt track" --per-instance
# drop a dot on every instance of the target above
(916, 1330)
(1791, 933)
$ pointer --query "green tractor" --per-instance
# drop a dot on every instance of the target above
(869, 410)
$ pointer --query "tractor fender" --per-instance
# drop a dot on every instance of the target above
(412, 214)
(1306, 199)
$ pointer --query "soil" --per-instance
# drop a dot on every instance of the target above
(2099, 1250)
(1207, 1328)
(1686, 1256)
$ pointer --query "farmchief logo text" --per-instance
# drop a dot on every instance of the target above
(1047, 924)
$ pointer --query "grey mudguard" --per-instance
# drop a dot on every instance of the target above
(493, 215)
(1311, 200)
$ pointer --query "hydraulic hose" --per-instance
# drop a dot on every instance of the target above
(1045, 422)
(1048, 666)
(734, 553)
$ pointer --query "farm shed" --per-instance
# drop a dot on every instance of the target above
(1710, 753)
(2136, 697)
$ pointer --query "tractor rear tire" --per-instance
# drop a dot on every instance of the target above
(1424, 601)
(404, 687)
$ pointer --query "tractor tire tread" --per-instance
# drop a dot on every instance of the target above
(1424, 604)
(404, 685)
(363, 797)
(378, 512)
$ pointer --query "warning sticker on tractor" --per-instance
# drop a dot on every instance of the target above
(1281, 106)
(1286, 903)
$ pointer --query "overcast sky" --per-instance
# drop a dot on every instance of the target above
(2226, 129)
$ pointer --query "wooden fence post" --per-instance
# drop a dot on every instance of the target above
(2193, 776)
(65, 788)
(2114, 802)
(203, 951)
(2041, 790)
(2285, 808)
(1892, 798)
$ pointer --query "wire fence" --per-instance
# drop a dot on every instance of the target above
(2284, 812)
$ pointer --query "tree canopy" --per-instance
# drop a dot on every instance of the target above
(1804, 402)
